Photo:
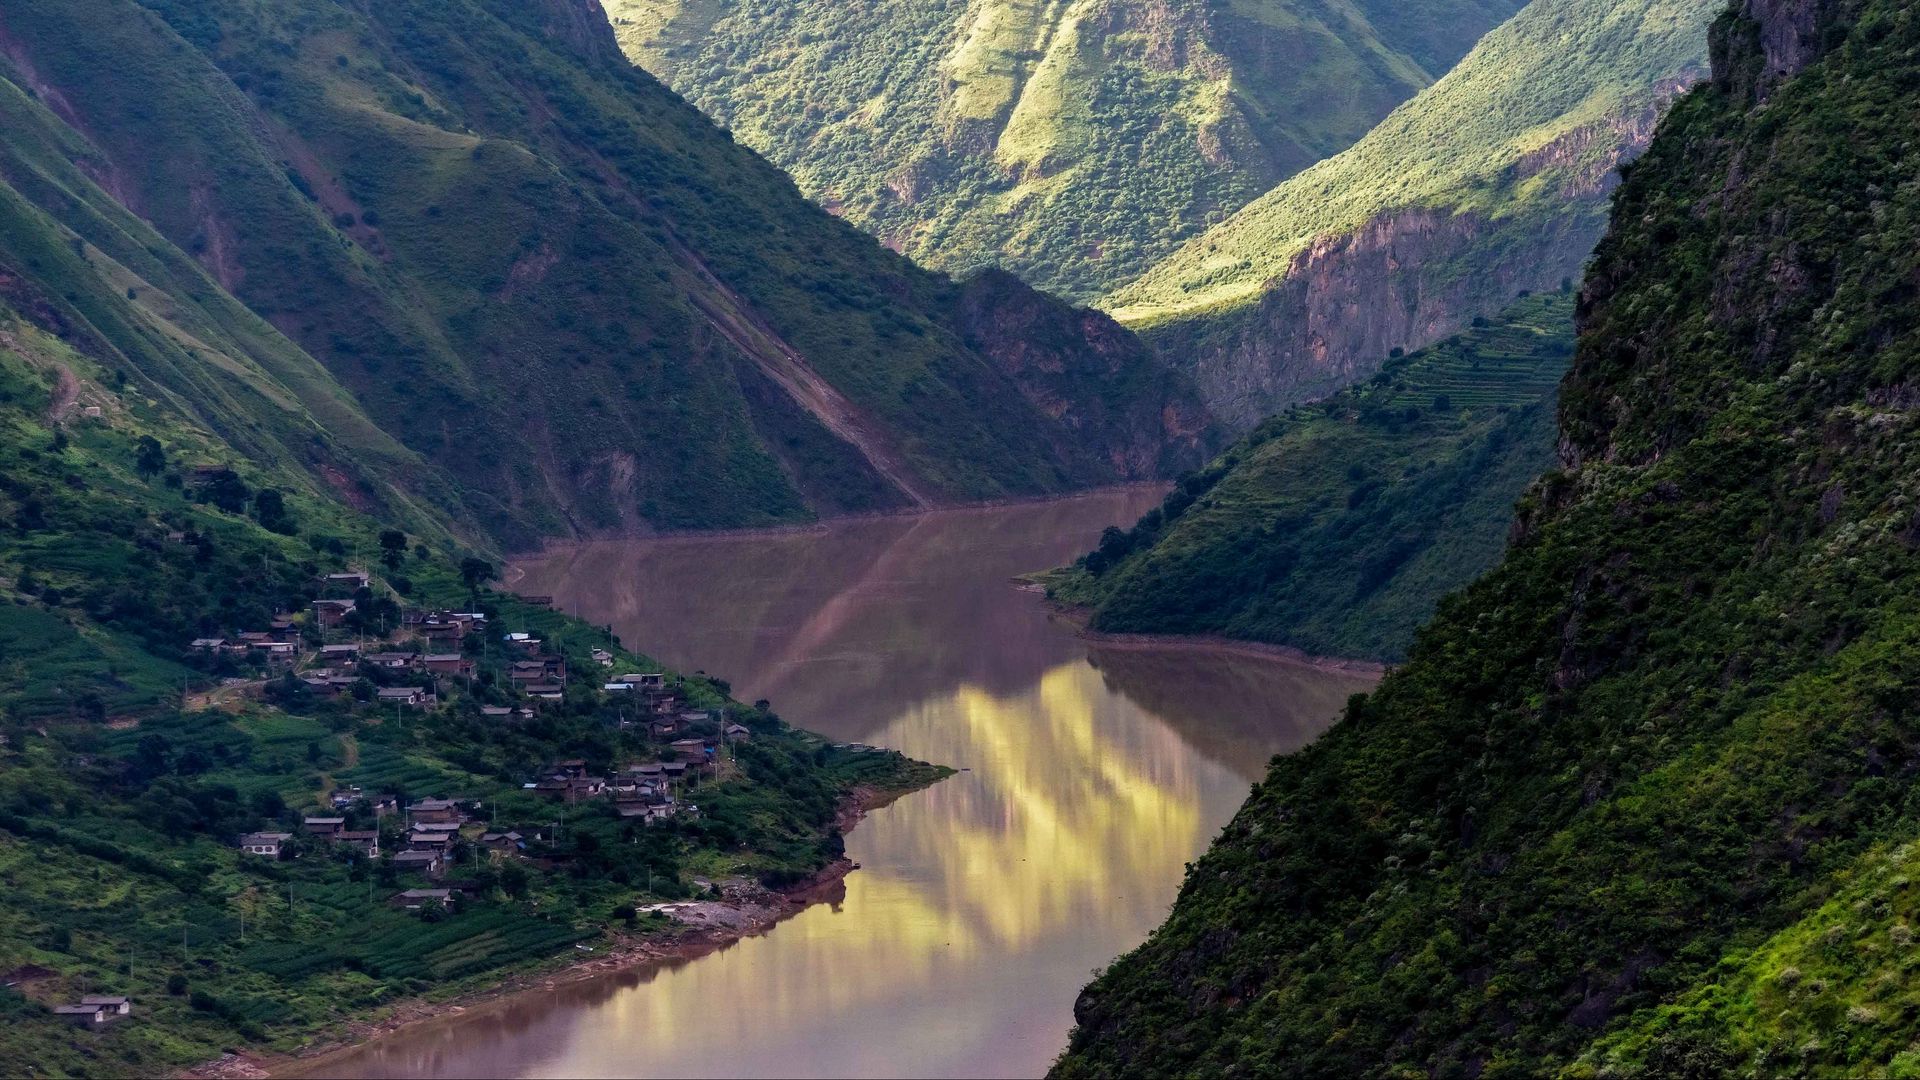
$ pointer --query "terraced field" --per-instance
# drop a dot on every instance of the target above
(1337, 526)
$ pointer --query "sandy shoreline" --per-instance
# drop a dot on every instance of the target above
(746, 913)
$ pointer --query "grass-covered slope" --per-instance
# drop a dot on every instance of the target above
(1638, 798)
(1489, 182)
(1073, 143)
(175, 490)
(1337, 527)
(540, 271)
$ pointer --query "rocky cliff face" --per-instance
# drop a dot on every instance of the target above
(1406, 279)
(1098, 380)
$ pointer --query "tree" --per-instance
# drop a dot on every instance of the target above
(150, 460)
(270, 507)
(227, 491)
(393, 547)
(475, 573)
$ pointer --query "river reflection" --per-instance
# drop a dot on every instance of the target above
(984, 901)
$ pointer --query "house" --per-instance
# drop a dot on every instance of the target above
(414, 697)
(442, 810)
(603, 657)
(328, 614)
(446, 632)
(280, 654)
(326, 685)
(264, 843)
(349, 582)
(646, 681)
(448, 664)
(439, 842)
(508, 842)
(344, 797)
(694, 749)
(662, 727)
(414, 899)
(541, 601)
(324, 826)
(83, 1015)
(571, 768)
(118, 1006)
(283, 629)
(502, 712)
(545, 691)
(367, 840)
(392, 661)
(209, 644)
(523, 643)
(339, 656)
(434, 828)
(425, 862)
(738, 733)
(674, 770)
(617, 687)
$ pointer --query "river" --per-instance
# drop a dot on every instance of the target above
(1093, 775)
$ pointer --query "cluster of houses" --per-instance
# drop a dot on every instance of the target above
(95, 1010)
(434, 635)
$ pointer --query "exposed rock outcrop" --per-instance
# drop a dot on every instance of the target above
(1404, 280)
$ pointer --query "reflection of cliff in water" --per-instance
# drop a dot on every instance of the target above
(1238, 710)
(845, 627)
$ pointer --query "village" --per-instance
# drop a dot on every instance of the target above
(577, 803)
(429, 660)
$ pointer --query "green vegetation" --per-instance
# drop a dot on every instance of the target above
(519, 260)
(1552, 79)
(1337, 527)
(1639, 802)
(165, 477)
(1072, 143)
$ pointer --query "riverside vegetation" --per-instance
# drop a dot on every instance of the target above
(1639, 800)
(1336, 527)
(500, 254)
(1072, 143)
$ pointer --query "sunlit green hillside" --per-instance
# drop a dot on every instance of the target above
(1071, 141)
(1521, 131)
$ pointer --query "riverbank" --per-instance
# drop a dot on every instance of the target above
(701, 927)
(1080, 617)
(824, 524)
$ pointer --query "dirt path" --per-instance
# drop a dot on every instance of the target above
(783, 364)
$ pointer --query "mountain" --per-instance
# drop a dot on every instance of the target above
(1640, 800)
(543, 275)
(174, 472)
(1073, 142)
(1335, 528)
(1492, 181)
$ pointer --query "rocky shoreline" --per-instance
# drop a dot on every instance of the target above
(703, 926)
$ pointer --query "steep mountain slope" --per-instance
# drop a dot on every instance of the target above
(1639, 798)
(1337, 527)
(1492, 181)
(546, 275)
(1073, 142)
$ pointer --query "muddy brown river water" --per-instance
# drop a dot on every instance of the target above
(1094, 774)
